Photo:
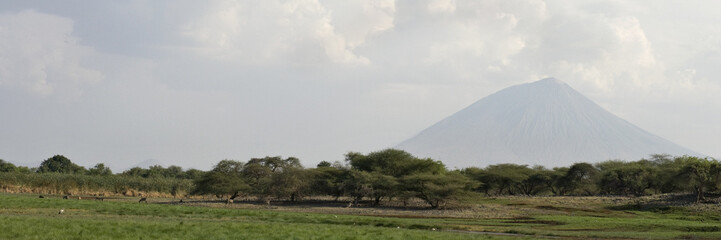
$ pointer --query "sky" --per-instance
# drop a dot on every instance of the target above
(191, 83)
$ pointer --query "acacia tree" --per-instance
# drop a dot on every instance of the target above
(439, 189)
(192, 174)
(100, 170)
(324, 164)
(276, 176)
(59, 164)
(699, 174)
(6, 166)
(634, 178)
(393, 162)
(503, 179)
(329, 181)
(581, 178)
(173, 172)
(225, 179)
(376, 175)
(136, 172)
(358, 185)
(539, 181)
(383, 186)
(291, 182)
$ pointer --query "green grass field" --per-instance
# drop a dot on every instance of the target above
(30, 217)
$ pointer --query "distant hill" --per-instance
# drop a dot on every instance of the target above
(544, 122)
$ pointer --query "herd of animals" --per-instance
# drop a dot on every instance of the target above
(142, 199)
(145, 200)
(62, 210)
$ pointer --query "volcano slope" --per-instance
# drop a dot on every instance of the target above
(544, 122)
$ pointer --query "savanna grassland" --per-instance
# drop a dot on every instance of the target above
(388, 194)
(26, 216)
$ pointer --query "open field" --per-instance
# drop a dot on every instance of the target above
(660, 217)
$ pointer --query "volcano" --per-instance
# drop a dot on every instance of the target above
(544, 123)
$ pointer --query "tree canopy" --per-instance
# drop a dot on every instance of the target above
(7, 166)
(393, 162)
(59, 164)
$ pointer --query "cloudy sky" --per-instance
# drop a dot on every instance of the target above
(193, 82)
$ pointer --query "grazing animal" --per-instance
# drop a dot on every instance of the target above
(61, 211)
(41, 196)
(143, 200)
(65, 197)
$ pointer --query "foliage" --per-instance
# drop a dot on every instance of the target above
(621, 178)
(292, 183)
(328, 181)
(358, 185)
(503, 179)
(100, 170)
(392, 162)
(270, 176)
(383, 175)
(59, 164)
(60, 183)
(580, 179)
(324, 164)
(6, 166)
(439, 189)
(158, 171)
(700, 175)
(225, 179)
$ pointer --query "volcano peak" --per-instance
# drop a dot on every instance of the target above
(545, 122)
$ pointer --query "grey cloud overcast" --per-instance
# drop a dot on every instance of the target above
(191, 83)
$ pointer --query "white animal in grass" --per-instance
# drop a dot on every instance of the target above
(62, 210)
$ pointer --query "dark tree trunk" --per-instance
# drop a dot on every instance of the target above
(377, 200)
(699, 194)
(235, 195)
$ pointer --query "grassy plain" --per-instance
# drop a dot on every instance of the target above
(29, 217)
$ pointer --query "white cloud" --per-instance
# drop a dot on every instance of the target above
(38, 53)
(404, 65)
(298, 32)
(441, 6)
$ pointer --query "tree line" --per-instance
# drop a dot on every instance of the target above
(395, 175)
(59, 175)
(383, 175)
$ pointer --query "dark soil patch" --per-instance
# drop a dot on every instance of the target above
(408, 216)
(508, 234)
(545, 222)
(568, 209)
(517, 204)
(704, 229)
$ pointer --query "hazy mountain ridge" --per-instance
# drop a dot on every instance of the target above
(545, 122)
